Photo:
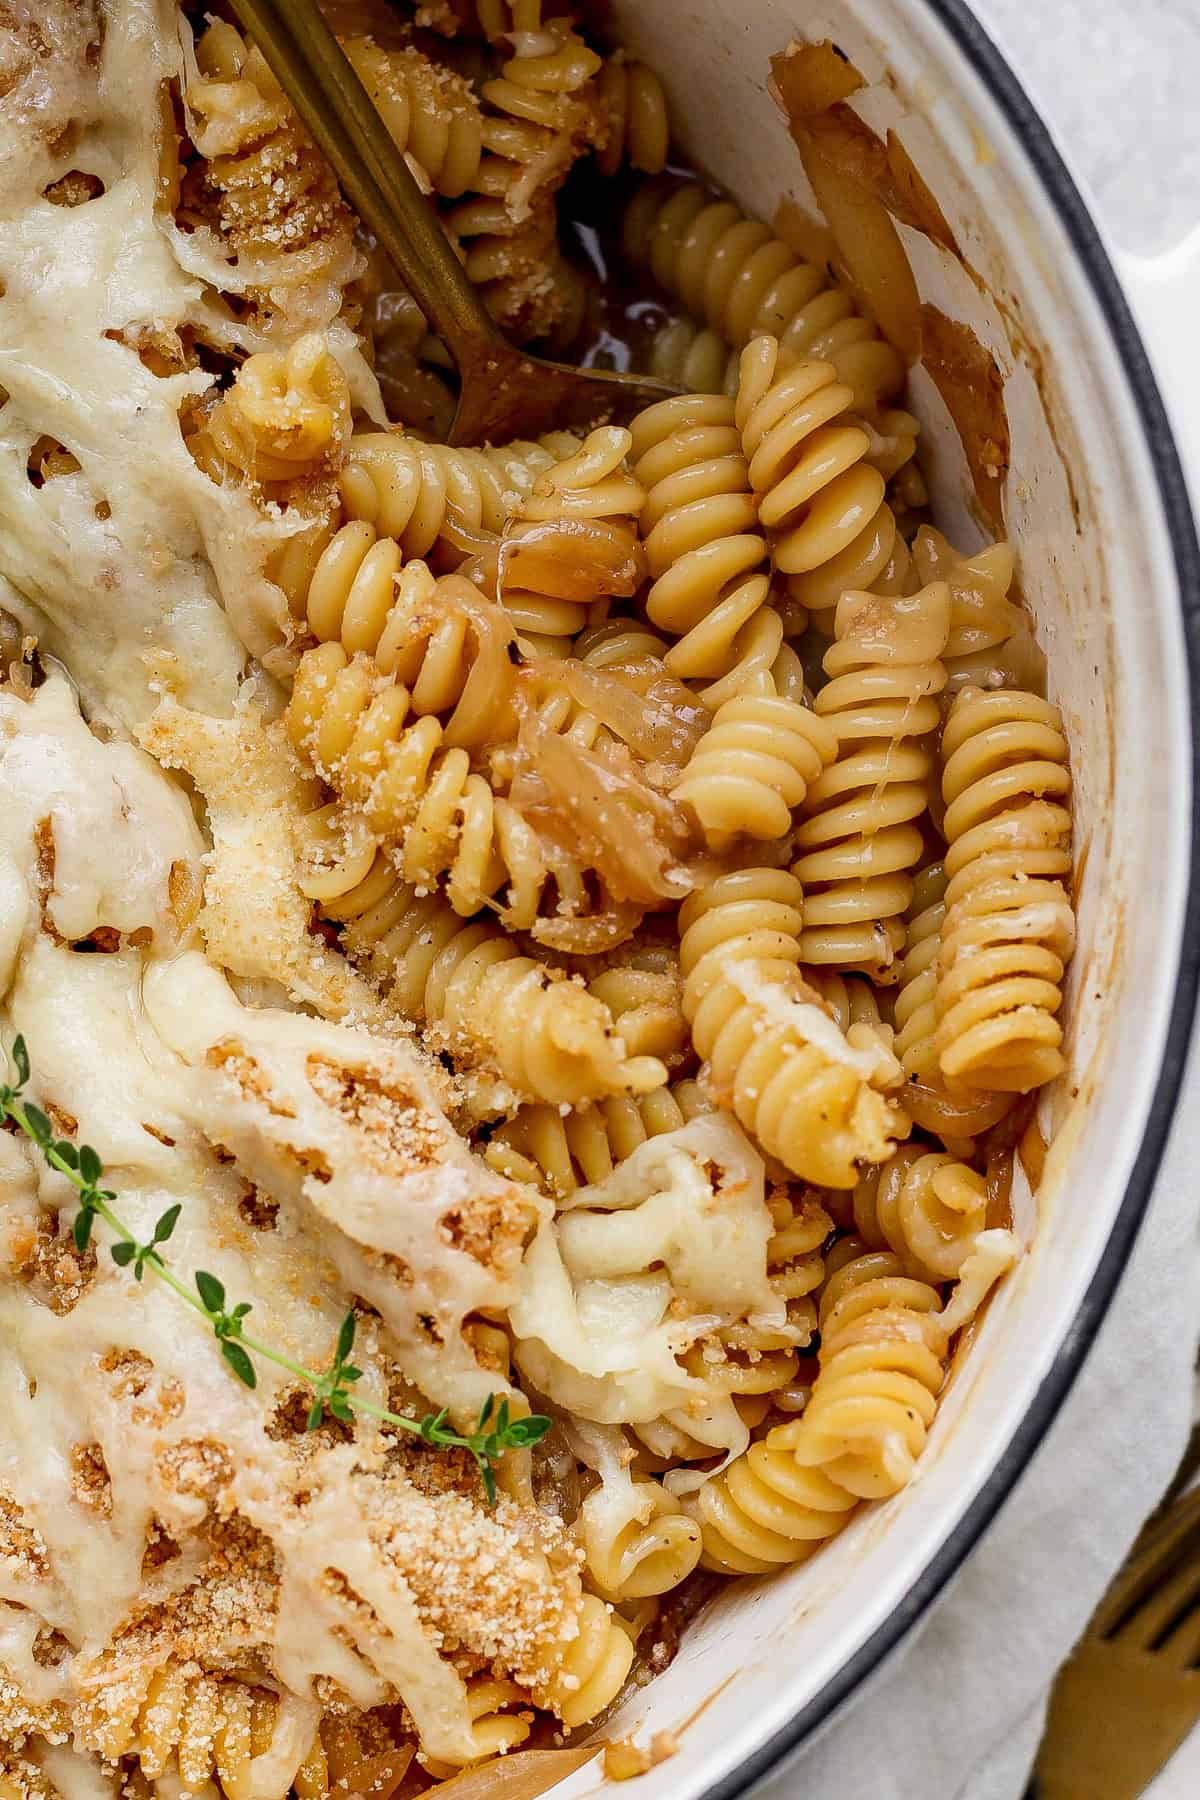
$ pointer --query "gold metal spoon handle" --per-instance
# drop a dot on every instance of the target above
(314, 71)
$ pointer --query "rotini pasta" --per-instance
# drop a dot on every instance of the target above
(861, 830)
(441, 645)
(425, 495)
(637, 128)
(617, 642)
(731, 272)
(500, 1720)
(767, 1510)
(776, 1058)
(705, 552)
(594, 1665)
(265, 186)
(914, 1011)
(820, 500)
(956, 1118)
(541, 112)
(991, 639)
(926, 1206)
(573, 541)
(411, 782)
(643, 990)
(753, 766)
(794, 1260)
(287, 415)
(637, 1539)
(197, 1725)
(692, 357)
(755, 1361)
(884, 1344)
(883, 1352)
(563, 1152)
(854, 1003)
(489, 1006)
(627, 840)
(431, 114)
(1008, 930)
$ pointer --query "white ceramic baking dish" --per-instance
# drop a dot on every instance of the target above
(1097, 506)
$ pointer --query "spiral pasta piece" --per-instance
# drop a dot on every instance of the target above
(617, 642)
(733, 274)
(495, 1727)
(766, 1510)
(692, 357)
(647, 1548)
(700, 524)
(541, 113)
(443, 647)
(753, 766)
(882, 1361)
(991, 641)
(490, 1007)
(431, 115)
(573, 540)
(634, 106)
(287, 415)
(643, 990)
(957, 1118)
(419, 493)
(884, 1346)
(408, 790)
(273, 197)
(1009, 927)
(861, 831)
(854, 1003)
(820, 500)
(776, 1058)
(926, 1206)
(915, 1014)
(562, 1152)
(174, 1719)
(594, 1665)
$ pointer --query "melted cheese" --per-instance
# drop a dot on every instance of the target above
(193, 1098)
(666, 1249)
(138, 571)
(255, 919)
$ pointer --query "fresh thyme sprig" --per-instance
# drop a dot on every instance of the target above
(333, 1392)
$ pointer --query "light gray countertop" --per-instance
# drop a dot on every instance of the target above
(1118, 81)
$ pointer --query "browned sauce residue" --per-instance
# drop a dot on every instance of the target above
(969, 380)
(808, 236)
(999, 1191)
(705, 1703)
(1032, 1151)
(910, 200)
(850, 172)
(1081, 863)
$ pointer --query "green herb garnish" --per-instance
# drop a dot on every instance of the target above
(333, 1392)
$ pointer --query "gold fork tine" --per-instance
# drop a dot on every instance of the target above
(1161, 1543)
(1182, 1646)
(1130, 1692)
(1152, 1621)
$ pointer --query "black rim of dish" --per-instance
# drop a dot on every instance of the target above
(971, 38)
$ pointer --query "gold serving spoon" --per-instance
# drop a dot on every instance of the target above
(503, 392)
